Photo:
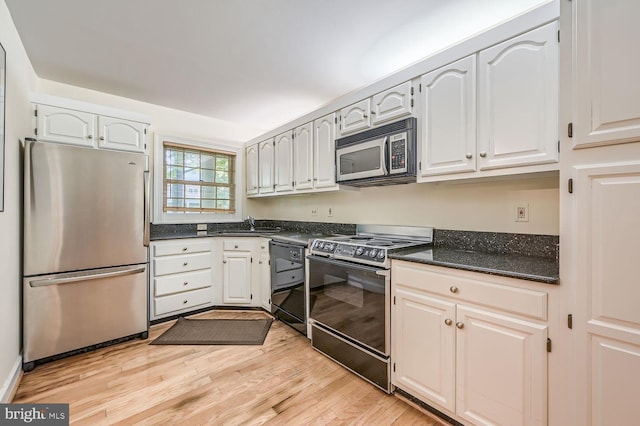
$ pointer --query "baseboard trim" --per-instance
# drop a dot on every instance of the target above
(10, 385)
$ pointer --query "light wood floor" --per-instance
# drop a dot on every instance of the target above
(283, 381)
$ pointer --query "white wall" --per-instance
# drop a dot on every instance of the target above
(21, 80)
(472, 206)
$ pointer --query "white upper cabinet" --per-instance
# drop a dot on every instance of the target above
(63, 125)
(122, 135)
(251, 155)
(266, 167)
(355, 117)
(518, 100)
(448, 123)
(324, 154)
(394, 103)
(303, 156)
(607, 87)
(283, 154)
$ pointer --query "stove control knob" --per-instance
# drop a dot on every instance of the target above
(359, 251)
(373, 253)
(381, 254)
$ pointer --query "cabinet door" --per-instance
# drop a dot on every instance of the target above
(266, 167)
(606, 70)
(518, 100)
(66, 126)
(283, 154)
(236, 285)
(423, 346)
(265, 281)
(449, 118)
(607, 318)
(122, 135)
(501, 375)
(324, 143)
(393, 103)
(355, 117)
(251, 155)
(303, 155)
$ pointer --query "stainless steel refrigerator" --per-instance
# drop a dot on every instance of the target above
(86, 232)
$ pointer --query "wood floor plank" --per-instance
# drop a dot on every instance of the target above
(283, 381)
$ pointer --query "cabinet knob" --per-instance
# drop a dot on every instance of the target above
(483, 154)
(185, 283)
(89, 136)
(469, 156)
(448, 321)
(224, 261)
(262, 247)
(260, 262)
(236, 246)
(185, 263)
(460, 325)
(101, 138)
(184, 249)
(453, 289)
(185, 301)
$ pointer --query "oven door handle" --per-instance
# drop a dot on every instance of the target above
(332, 261)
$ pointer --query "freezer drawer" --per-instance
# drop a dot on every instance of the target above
(64, 312)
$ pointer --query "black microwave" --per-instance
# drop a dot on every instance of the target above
(385, 155)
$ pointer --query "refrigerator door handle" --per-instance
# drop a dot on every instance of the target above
(146, 210)
(74, 277)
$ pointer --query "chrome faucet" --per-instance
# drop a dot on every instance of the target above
(252, 223)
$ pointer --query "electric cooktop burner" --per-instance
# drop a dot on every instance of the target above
(372, 244)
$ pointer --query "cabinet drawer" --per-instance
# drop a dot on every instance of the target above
(171, 284)
(470, 289)
(286, 265)
(181, 247)
(180, 301)
(242, 244)
(289, 277)
(176, 264)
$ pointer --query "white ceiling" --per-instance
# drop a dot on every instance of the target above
(256, 62)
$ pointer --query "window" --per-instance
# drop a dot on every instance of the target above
(198, 180)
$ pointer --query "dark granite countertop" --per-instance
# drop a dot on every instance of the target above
(533, 268)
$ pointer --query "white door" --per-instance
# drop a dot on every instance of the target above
(266, 167)
(324, 151)
(607, 319)
(518, 100)
(122, 135)
(251, 153)
(303, 156)
(283, 154)
(66, 126)
(423, 346)
(265, 281)
(449, 118)
(501, 376)
(236, 285)
(355, 117)
(393, 103)
(606, 69)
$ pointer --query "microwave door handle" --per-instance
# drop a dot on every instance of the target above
(386, 155)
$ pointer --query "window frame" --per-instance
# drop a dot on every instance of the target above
(172, 217)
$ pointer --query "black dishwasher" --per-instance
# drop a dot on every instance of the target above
(288, 294)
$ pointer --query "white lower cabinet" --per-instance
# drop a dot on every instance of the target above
(457, 345)
(236, 282)
(245, 261)
(181, 277)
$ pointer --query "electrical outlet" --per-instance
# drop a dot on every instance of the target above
(330, 213)
(314, 212)
(522, 213)
(201, 227)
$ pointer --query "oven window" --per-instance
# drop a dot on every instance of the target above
(350, 300)
(360, 161)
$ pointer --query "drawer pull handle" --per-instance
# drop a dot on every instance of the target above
(262, 247)
(236, 246)
(185, 249)
(453, 289)
(460, 325)
(185, 301)
(260, 262)
(186, 283)
(448, 321)
(185, 263)
(224, 261)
